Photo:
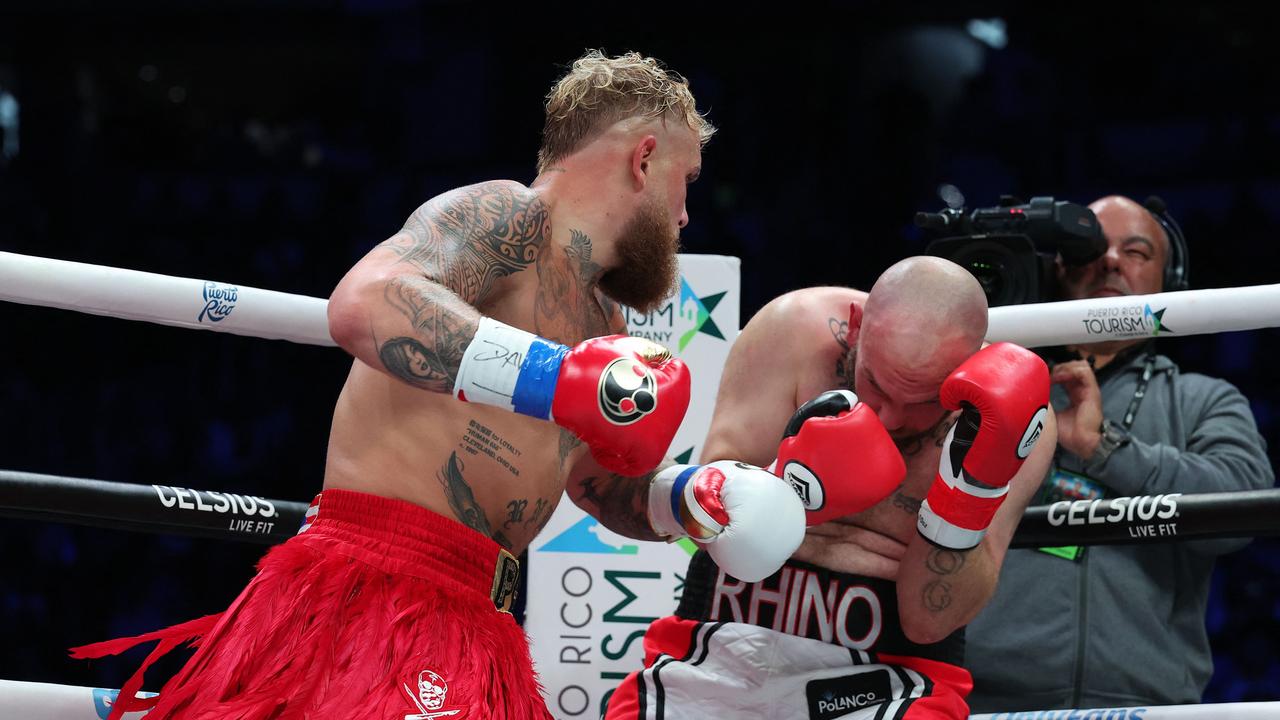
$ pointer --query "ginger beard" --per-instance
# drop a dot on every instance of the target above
(647, 270)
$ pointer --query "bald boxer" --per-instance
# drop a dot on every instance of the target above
(491, 374)
(866, 618)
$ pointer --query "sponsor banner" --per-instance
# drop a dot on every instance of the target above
(593, 593)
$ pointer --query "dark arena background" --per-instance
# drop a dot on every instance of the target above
(273, 143)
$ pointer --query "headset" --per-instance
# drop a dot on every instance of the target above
(1176, 271)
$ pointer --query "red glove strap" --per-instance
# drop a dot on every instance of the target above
(962, 509)
(708, 484)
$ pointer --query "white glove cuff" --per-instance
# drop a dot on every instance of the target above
(664, 500)
(491, 364)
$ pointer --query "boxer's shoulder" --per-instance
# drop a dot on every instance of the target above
(804, 316)
(504, 209)
(814, 300)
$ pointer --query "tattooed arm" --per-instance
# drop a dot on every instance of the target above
(408, 307)
(620, 503)
(939, 590)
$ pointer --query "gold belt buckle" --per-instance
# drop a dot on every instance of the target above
(506, 579)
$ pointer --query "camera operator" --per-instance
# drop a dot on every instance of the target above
(1108, 626)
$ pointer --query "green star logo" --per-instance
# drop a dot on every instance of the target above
(699, 313)
(1157, 321)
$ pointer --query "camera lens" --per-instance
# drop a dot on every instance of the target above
(998, 269)
(989, 275)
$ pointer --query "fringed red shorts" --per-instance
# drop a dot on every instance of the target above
(381, 609)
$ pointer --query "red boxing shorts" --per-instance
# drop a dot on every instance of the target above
(806, 642)
(379, 609)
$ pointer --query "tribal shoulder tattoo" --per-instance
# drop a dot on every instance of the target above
(461, 243)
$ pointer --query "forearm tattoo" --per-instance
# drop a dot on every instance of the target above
(568, 442)
(621, 504)
(461, 242)
(944, 563)
(906, 503)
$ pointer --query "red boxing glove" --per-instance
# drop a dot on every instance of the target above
(838, 457)
(624, 397)
(1003, 390)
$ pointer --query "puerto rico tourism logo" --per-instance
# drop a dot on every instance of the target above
(219, 301)
(680, 320)
(1133, 321)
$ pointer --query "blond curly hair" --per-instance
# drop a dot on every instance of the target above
(598, 91)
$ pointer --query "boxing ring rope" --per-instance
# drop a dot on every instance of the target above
(70, 702)
(179, 510)
(163, 299)
(241, 310)
(230, 516)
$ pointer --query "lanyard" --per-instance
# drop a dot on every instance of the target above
(1141, 392)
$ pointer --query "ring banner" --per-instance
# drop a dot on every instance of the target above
(149, 508)
(1144, 518)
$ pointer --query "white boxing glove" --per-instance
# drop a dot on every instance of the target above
(747, 519)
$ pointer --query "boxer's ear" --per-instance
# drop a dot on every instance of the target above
(855, 325)
(641, 157)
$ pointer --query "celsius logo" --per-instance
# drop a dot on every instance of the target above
(219, 301)
(1122, 509)
(627, 392)
(209, 501)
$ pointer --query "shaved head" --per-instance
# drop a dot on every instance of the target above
(926, 310)
(922, 318)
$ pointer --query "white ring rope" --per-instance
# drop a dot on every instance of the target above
(70, 702)
(1209, 711)
(1189, 312)
(190, 303)
(242, 310)
(163, 299)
